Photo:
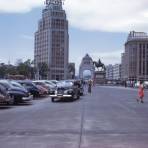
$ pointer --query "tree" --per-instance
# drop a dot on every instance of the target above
(11, 70)
(71, 70)
(3, 70)
(43, 70)
(26, 69)
(6, 70)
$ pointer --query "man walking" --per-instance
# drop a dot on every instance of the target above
(89, 86)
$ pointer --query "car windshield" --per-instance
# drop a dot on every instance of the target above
(16, 84)
(64, 84)
(6, 84)
(50, 83)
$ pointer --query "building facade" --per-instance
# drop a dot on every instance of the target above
(117, 72)
(135, 57)
(113, 72)
(52, 41)
(109, 72)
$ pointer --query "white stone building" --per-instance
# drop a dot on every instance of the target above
(135, 57)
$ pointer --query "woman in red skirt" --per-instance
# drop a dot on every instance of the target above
(141, 93)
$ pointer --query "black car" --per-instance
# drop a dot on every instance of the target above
(31, 87)
(18, 94)
(66, 90)
(79, 84)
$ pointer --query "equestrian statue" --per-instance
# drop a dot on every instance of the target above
(99, 65)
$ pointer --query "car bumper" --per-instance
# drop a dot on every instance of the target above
(28, 98)
(61, 96)
(5, 99)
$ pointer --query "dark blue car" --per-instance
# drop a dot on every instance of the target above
(18, 94)
(31, 87)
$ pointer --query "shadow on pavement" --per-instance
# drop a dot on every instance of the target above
(40, 98)
(4, 106)
(24, 104)
(64, 100)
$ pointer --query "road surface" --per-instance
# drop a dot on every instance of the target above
(110, 117)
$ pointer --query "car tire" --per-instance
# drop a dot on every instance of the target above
(78, 96)
(12, 102)
(52, 99)
(75, 96)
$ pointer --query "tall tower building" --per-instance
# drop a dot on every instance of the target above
(52, 40)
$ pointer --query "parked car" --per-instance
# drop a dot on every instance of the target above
(66, 90)
(5, 97)
(54, 81)
(146, 84)
(136, 85)
(18, 94)
(31, 87)
(79, 85)
(43, 91)
(45, 83)
(48, 82)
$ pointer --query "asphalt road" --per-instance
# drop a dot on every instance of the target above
(110, 117)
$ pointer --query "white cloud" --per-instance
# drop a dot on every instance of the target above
(103, 15)
(17, 6)
(113, 57)
(108, 15)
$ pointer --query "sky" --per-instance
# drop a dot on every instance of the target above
(97, 27)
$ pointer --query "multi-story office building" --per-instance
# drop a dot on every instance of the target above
(109, 72)
(117, 72)
(52, 40)
(113, 72)
(123, 67)
(135, 58)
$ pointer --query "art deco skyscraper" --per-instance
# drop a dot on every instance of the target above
(52, 40)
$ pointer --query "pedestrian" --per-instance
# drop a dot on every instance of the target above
(125, 84)
(89, 86)
(141, 92)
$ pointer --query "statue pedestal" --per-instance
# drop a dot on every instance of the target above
(100, 77)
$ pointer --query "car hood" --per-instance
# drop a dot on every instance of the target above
(18, 89)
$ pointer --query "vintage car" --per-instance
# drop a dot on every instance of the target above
(31, 87)
(46, 85)
(66, 90)
(4, 96)
(19, 94)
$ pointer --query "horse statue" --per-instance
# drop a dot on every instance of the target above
(99, 65)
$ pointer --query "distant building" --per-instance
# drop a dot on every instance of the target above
(117, 72)
(113, 72)
(109, 72)
(52, 41)
(123, 67)
(135, 58)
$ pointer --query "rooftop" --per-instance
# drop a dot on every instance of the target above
(137, 36)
